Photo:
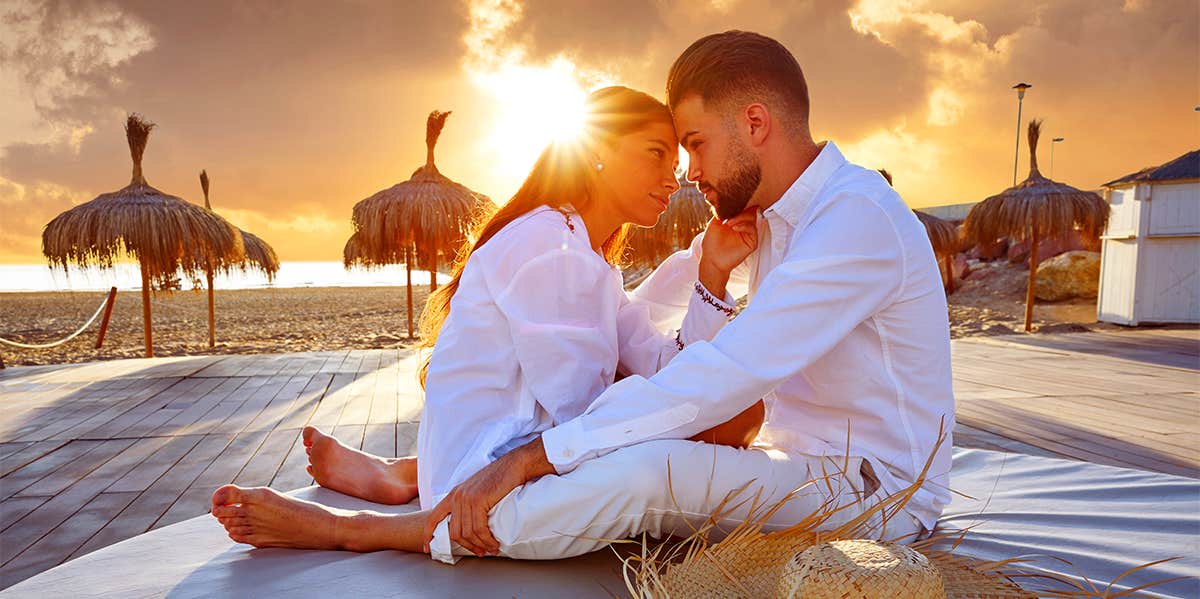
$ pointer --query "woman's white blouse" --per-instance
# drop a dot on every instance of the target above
(538, 328)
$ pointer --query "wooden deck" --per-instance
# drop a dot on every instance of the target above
(91, 454)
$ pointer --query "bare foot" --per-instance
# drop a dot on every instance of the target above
(264, 517)
(353, 472)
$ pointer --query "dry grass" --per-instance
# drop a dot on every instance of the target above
(750, 563)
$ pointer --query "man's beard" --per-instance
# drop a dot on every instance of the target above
(736, 189)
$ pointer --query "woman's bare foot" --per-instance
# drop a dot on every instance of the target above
(263, 517)
(353, 472)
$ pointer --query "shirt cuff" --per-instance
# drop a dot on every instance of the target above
(561, 451)
(706, 314)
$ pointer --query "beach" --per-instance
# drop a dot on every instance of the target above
(276, 320)
(249, 321)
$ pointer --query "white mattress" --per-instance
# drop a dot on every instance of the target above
(1104, 520)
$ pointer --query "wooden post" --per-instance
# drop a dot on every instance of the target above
(212, 318)
(949, 273)
(108, 306)
(146, 312)
(1029, 296)
(408, 287)
(433, 274)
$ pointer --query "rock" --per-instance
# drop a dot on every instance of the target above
(990, 251)
(1049, 248)
(1073, 274)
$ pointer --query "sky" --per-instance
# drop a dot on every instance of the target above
(300, 109)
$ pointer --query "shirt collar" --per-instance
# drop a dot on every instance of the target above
(792, 204)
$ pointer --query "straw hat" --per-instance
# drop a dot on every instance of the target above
(860, 569)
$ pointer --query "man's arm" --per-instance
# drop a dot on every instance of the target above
(839, 271)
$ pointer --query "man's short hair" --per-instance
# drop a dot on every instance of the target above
(741, 66)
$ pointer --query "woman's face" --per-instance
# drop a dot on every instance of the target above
(638, 176)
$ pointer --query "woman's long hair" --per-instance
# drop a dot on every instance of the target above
(561, 177)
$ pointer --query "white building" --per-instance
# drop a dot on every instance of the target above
(1150, 259)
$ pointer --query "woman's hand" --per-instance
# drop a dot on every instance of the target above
(726, 244)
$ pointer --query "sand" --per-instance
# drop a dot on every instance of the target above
(329, 318)
(249, 321)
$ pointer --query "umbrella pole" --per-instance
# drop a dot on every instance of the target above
(1033, 265)
(212, 320)
(433, 275)
(408, 288)
(949, 273)
(146, 312)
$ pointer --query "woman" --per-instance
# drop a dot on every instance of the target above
(532, 327)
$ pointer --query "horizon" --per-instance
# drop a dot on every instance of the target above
(298, 112)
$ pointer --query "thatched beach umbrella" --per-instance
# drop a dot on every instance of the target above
(421, 219)
(686, 216)
(162, 232)
(943, 236)
(259, 256)
(1035, 209)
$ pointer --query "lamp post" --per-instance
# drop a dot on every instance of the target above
(1020, 87)
(1052, 142)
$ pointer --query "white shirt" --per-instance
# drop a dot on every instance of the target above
(846, 328)
(539, 326)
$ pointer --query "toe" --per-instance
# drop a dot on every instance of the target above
(311, 434)
(223, 512)
(227, 495)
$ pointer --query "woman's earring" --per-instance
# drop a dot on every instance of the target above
(599, 166)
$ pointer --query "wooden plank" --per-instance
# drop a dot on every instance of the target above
(293, 474)
(150, 505)
(15, 508)
(144, 475)
(262, 467)
(197, 499)
(406, 439)
(32, 452)
(72, 458)
(58, 509)
(54, 548)
(380, 440)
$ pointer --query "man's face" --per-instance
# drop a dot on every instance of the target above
(719, 160)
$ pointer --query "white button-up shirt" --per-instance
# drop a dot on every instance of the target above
(845, 334)
(538, 328)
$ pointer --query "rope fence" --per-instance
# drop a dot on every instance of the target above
(108, 300)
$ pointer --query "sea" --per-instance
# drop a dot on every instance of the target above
(40, 277)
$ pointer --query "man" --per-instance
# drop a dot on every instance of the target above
(845, 339)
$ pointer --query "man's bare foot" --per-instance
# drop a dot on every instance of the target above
(264, 517)
(353, 472)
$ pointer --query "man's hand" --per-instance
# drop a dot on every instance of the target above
(726, 244)
(468, 504)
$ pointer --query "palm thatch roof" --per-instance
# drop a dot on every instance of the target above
(354, 254)
(1186, 167)
(1036, 207)
(259, 254)
(943, 235)
(162, 232)
(686, 216)
(428, 214)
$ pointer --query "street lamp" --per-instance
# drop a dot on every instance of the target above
(1020, 87)
(1052, 142)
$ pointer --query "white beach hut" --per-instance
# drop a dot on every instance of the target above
(1150, 259)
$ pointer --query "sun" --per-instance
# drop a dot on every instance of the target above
(532, 107)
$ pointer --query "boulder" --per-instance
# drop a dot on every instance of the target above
(1072, 274)
(1018, 252)
(990, 251)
